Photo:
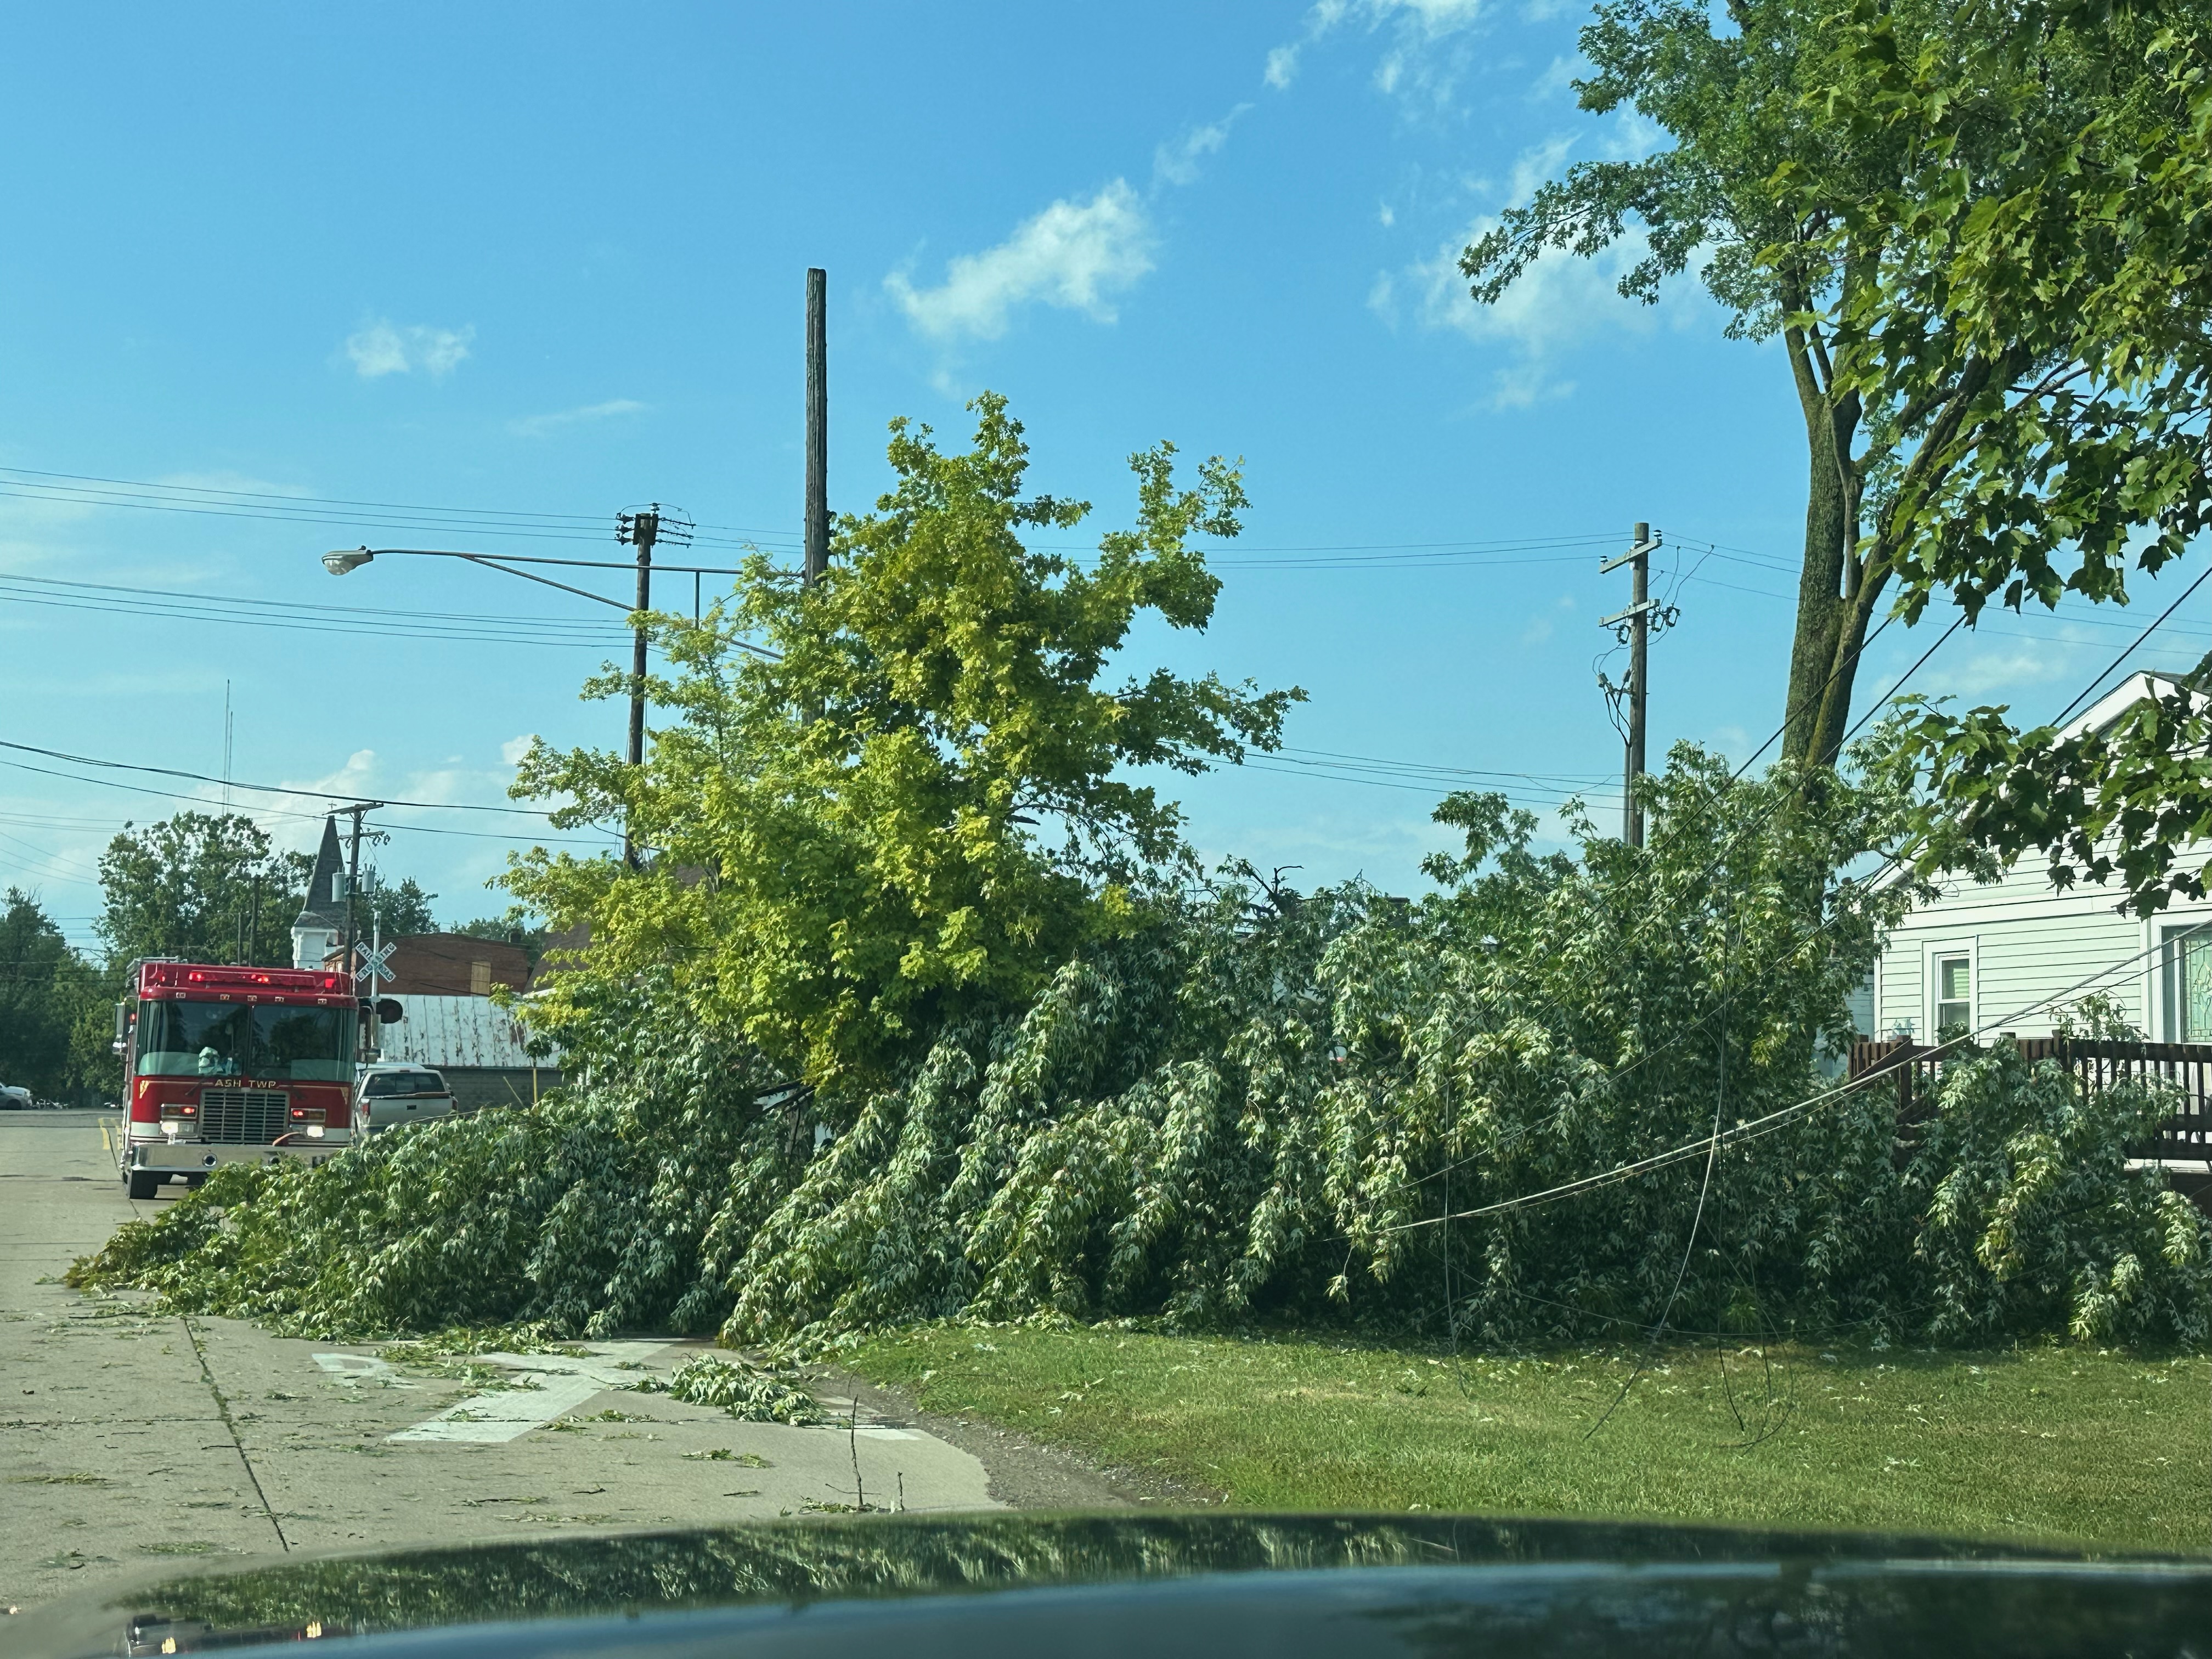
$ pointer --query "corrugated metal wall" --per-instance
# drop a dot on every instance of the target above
(459, 1031)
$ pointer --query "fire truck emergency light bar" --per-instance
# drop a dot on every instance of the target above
(177, 977)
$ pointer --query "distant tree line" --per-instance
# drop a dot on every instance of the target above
(209, 886)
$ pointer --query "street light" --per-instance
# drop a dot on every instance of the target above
(663, 525)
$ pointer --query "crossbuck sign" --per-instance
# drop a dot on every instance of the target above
(376, 964)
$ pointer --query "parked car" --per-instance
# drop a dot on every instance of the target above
(14, 1100)
(390, 1093)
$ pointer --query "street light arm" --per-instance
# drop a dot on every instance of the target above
(477, 558)
(353, 558)
(340, 562)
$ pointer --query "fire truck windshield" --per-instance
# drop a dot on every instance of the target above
(178, 1038)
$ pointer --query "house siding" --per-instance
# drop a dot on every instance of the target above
(2032, 948)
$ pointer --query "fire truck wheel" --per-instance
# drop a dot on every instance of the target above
(142, 1182)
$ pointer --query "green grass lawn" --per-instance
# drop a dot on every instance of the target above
(2064, 1443)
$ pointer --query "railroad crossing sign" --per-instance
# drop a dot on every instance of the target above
(376, 964)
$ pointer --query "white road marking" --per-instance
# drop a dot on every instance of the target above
(489, 1419)
(354, 1369)
(561, 1384)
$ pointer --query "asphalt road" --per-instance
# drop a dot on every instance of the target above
(131, 1440)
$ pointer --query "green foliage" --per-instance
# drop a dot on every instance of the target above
(2047, 243)
(400, 910)
(854, 839)
(2067, 280)
(2031, 1220)
(918, 1008)
(749, 1395)
(186, 887)
(1241, 1106)
(1244, 1114)
(1961, 220)
(512, 928)
(47, 993)
(589, 1213)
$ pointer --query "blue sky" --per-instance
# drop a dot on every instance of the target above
(548, 261)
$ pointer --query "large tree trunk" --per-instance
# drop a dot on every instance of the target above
(1834, 600)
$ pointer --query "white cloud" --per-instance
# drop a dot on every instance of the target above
(1177, 163)
(536, 426)
(1532, 167)
(351, 779)
(1074, 255)
(381, 347)
(514, 748)
(1417, 60)
(1388, 215)
(1633, 136)
(1559, 78)
(1383, 298)
(1559, 303)
(2003, 669)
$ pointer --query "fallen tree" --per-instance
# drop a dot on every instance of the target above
(1263, 1106)
(921, 1009)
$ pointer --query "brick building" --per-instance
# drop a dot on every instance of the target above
(454, 965)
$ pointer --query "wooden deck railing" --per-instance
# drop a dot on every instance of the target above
(2096, 1065)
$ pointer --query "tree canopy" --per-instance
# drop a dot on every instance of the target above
(190, 886)
(1252, 1103)
(47, 993)
(897, 798)
(1815, 206)
(2073, 277)
(398, 909)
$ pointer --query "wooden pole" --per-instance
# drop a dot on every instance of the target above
(818, 425)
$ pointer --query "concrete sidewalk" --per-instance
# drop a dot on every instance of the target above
(128, 1436)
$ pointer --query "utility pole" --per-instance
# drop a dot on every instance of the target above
(644, 528)
(818, 425)
(1637, 618)
(358, 810)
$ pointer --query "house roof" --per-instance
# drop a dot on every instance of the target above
(2107, 710)
(324, 908)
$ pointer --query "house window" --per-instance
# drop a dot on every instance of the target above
(2188, 984)
(1954, 996)
(480, 979)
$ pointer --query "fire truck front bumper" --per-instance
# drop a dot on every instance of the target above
(199, 1158)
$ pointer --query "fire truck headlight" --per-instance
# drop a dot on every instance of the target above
(314, 1131)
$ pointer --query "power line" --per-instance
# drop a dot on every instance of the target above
(139, 593)
(1759, 1127)
(1894, 863)
(260, 788)
(2086, 692)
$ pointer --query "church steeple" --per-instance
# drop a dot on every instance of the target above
(315, 934)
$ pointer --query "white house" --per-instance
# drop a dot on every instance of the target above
(2010, 955)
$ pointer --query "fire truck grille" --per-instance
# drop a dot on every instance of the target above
(254, 1116)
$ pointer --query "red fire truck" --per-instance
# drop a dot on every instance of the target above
(224, 1065)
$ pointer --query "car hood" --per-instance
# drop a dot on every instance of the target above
(1155, 1583)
